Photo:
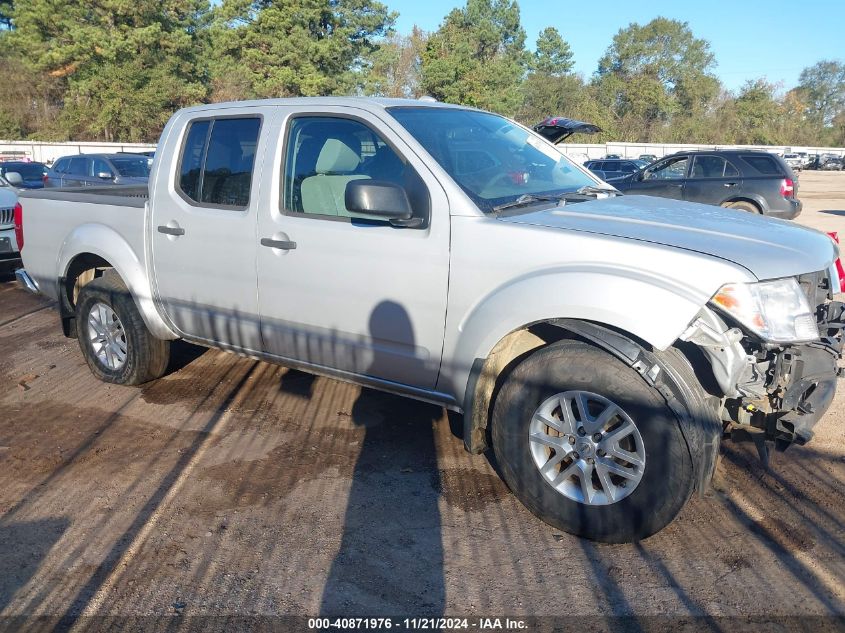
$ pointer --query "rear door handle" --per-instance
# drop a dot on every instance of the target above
(170, 230)
(285, 245)
(730, 184)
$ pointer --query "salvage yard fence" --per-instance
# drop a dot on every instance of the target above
(48, 152)
(634, 150)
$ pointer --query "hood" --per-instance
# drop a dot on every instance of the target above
(767, 247)
(557, 128)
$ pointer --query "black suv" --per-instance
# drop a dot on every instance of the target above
(752, 181)
(93, 170)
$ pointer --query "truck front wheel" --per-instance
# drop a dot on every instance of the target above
(588, 446)
(113, 337)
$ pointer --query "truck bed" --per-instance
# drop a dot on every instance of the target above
(63, 222)
(118, 195)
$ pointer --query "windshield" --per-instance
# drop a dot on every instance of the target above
(28, 171)
(135, 167)
(493, 160)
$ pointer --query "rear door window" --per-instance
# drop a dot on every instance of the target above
(217, 161)
(193, 154)
(712, 167)
(763, 164)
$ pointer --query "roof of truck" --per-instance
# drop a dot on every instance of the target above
(366, 102)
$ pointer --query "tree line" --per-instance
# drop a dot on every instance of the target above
(117, 69)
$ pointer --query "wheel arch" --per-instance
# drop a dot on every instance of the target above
(669, 371)
(757, 201)
(83, 259)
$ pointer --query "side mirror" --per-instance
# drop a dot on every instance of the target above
(104, 175)
(380, 199)
(14, 178)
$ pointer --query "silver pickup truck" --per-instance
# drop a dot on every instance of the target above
(601, 345)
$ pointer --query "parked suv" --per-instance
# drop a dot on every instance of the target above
(609, 169)
(758, 182)
(31, 174)
(89, 170)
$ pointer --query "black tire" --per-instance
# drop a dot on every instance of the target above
(667, 479)
(743, 205)
(146, 356)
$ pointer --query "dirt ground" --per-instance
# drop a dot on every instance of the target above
(234, 487)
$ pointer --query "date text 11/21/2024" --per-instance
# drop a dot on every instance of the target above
(413, 624)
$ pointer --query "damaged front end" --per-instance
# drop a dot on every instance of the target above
(775, 391)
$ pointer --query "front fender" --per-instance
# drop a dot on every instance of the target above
(105, 242)
(652, 308)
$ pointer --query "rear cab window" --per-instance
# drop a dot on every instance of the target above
(217, 162)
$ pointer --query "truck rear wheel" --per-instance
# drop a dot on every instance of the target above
(588, 446)
(113, 337)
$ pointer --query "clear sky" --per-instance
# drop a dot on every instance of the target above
(774, 39)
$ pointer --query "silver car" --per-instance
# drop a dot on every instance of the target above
(599, 344)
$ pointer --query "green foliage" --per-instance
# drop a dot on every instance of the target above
(288, 48)
(117, 69)
(756, 112)
(123, 65)
(650, 74)
(823, 88)
(6, 7)
(478, 57)
(553, 56)
(394, 69)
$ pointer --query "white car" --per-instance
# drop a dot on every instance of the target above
(795, 161)
(9, 251)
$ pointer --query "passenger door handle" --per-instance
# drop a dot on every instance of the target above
(170, 230)
(730, 184)
(285, 245)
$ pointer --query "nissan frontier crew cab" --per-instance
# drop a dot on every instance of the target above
(601, 345)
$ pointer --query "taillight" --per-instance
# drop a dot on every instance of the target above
(19, 225)
(787, 188)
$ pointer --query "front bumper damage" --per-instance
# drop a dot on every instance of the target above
(801, 383)
(775, 392)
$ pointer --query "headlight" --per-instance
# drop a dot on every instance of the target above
(776, 311)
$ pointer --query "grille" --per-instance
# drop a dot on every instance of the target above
(7, 216)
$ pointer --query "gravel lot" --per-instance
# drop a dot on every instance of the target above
(234, 487)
